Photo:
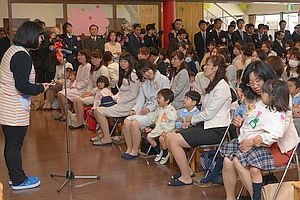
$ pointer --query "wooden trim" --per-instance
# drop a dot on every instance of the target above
(10, 20)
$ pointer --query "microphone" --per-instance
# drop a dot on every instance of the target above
(66, 51)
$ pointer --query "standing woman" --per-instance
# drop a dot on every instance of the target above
(180, 82)
(17, 77)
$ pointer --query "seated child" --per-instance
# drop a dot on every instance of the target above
(102, 90)
(263, 143)
(294, 88)
(164, 118)
(191, 100)
(71, 77)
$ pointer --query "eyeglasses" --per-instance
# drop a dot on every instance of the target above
(256, 82)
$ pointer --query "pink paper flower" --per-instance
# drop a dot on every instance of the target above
(81, 19)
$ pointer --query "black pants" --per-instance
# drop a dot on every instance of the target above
(14, 137)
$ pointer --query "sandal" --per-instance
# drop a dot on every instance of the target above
(96, 138)
(127, 156)
(176, 176)
(58, 117)
(100, 143)
(62, 119)
(177, 182)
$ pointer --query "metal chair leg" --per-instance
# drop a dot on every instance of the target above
(240, 193)
(112, 130)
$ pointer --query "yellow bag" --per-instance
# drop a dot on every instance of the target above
(286, 191)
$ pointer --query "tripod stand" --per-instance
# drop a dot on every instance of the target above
(70, 174)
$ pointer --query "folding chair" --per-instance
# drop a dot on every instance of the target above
(219, 145)
(226, 133)
(285, 168)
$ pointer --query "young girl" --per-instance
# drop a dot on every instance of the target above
(164, 118)
(113, 46)
(80, 84)
(263, 143)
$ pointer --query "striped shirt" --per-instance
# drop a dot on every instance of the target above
(14, 105)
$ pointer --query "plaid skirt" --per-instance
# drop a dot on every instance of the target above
(259, 157)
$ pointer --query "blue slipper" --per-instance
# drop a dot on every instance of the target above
(124, 154)
(129, 157)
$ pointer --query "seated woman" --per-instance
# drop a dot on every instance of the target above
(80, 84)
(209, 125)
(58, 83)
(265, 141)
(125, 99)
(153, 81)
(87, 98)
(113, 71)
(180, 82)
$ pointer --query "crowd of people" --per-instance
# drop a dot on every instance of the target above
(180, 97)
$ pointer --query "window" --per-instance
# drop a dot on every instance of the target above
(291, 19)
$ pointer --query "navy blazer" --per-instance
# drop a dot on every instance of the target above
(236, 37)
(134, 45)
(199, 44)
(73, 45)
(278, 48)
(287, 35)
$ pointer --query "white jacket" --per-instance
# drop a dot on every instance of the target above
(215, 110)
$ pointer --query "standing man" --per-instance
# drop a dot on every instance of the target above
(296, 33)
(135, 41)
(4, 43)
(177, 25)
(70, 42)
(151, 38)
(181, 39)
(218, 35)
(200, 39)
(279, 44)
(229, 33)
(261, 37)
(240, 35)
(287, 33)
(94, 41)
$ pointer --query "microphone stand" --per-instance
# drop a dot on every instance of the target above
(69, 174)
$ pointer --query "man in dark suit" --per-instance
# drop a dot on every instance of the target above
(296, 33)
(260, 36)
(154, 58)
(176, 26)
(287, 33)
(174, 43)
(94, 41)
(135, 40)
(240, 35)
(4, 43)
(218, 35)
(71, 43)
(279, 44)
(200, 39)
(229, 33)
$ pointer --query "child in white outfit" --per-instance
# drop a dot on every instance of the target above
(164, 118)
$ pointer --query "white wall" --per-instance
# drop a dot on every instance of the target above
(45, 12)
(3, 11)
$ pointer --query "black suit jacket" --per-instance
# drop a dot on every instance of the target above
(236, 37)
(73, 45)
(213, 36)
(280, 50)
(152, 41)
(161, 67)
(295, 36)
(199, 44)
(90, 44)
(258, 41)
(134, 45)
(174, 44)
(287, 35)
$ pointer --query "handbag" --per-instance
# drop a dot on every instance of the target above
(286, 191)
